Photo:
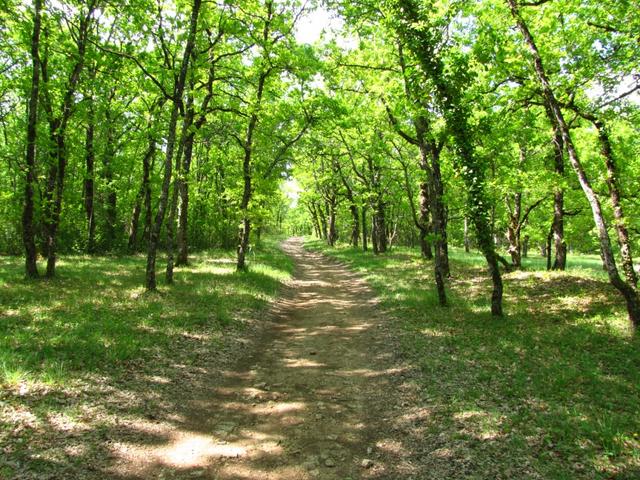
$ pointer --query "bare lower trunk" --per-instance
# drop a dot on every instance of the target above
(143, 195)
(243, 244)
(28, 230)
(89, 193)
(355, 225)
(178, 91)
(364, 229)
(615, 196)
(560, 262)
(171, 228)
(55, 190)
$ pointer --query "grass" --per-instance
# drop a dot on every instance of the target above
(551, 390)
(82, 352)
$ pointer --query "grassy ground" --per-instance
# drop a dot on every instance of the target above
(552, 390)
(88, 351)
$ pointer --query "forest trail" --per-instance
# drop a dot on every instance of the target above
(321, 396)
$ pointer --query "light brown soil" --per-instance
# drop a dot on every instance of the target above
(321, 393)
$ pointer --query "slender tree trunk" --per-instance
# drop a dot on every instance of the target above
(332, 234)
(546, 247)
(111, 211)
(374, 233)
(381, 226)
(628, 292)
(56, 185)
(355, 225)
(364, 229)
(560, 262)
(615, 196)
(183, 211)
(178, 91)
(173, 210)
(89, 192)
(58, 155)
(425, 221)
(171, 228)
(324, 231)
(142, 195)
(513, 231)
(28, 230)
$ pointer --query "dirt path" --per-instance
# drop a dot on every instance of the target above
(321, 397)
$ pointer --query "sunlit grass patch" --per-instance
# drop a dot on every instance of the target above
(551, 390)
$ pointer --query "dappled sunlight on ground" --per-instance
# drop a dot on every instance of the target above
(316, 399)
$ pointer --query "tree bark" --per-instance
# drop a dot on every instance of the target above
(364, 229)
(560, 262)
(28, 230)
(142, 195)
(615, 196)
(111, 194)
(628, 292)
(89, 185)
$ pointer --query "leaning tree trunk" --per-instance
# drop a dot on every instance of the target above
(615, 196)
(628, 292)
(178, 91)
(141, 196)
(28, 230)
(173, 212)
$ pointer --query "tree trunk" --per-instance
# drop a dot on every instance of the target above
(28, 230)
(364, 229)
(183, 210)
(142, 195)
(89, 192)
(615, 196)
(627, 291)
(111, 212)
(178, 91)
(57, 134)
(332, 234)
(513, 231)
(560, 262)
(381, 226)
(355, 225)
(324, 231)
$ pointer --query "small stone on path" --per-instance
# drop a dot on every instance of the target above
(366, 463)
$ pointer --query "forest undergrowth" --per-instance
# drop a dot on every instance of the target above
(553, 386)
(85, 355)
